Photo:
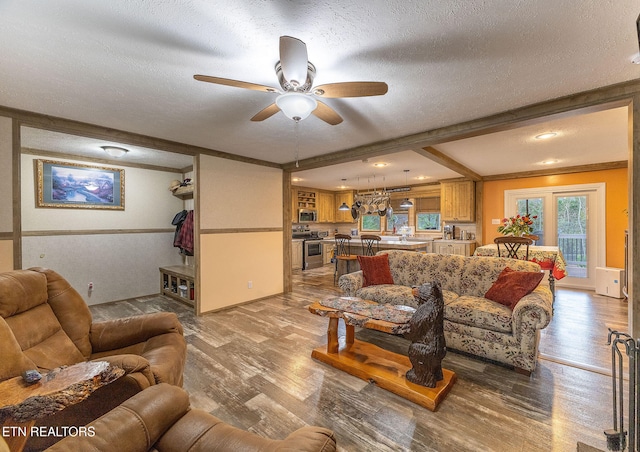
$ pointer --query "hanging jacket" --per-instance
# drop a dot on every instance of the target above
(184, 238)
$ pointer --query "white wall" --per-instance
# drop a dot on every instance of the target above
(122, 264)
(148, 203)
(6, 180)
(6, 200)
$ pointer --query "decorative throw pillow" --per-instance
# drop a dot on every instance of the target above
(375, 270)
(512, 285)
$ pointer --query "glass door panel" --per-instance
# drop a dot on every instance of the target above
(534, 207)
(573, 228)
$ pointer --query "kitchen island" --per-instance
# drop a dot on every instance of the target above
(356, 245)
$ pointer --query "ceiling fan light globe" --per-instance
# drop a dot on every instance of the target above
(114, 151)
(296, 106)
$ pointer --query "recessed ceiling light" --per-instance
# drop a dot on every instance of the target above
(380, 165)
(546, 136)
(422, 177)
(636, 59)
(296, 179)
(549, 162)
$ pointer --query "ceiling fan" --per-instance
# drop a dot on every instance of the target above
(298, 98)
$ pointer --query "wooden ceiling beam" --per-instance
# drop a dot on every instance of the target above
(441, 159)
(598, 99)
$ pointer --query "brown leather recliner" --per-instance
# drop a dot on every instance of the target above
(160, 419)
(45, 323)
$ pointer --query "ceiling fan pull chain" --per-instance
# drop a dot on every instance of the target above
(295, 130)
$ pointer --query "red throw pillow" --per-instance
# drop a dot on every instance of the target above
(375, 270)
(512, 285)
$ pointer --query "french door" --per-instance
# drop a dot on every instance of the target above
(570, 217)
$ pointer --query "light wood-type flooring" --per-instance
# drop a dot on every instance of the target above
(250, 366)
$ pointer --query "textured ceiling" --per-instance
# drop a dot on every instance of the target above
(130, 65)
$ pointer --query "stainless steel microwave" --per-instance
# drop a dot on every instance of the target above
(307, 216)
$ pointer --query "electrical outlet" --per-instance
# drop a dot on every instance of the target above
(496, 221)
(250, 284)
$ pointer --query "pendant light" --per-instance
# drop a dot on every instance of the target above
(405, 204)
(344, 205)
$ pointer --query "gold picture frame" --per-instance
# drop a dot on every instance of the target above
(78, 186)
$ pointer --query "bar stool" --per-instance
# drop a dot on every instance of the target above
(370, 244)
(343, 253)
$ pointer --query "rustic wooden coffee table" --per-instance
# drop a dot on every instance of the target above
(21, 404)
(372, 363)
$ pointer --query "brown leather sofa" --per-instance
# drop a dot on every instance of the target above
(45, 323)
(160, 419)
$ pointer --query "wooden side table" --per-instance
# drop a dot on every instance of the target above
(21, 404)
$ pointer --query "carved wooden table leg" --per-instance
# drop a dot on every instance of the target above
(332, 335)
(351, 335)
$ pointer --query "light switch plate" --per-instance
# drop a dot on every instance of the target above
(495, 221)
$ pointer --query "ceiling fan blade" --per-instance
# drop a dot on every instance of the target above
(294, 60)
(351, 89)
(236, 83)
(266, 113)
(327, 114)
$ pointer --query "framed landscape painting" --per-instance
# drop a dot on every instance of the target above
(73, 185)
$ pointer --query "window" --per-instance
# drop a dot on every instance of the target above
(400, 216)
(370, 222)
(428, 214)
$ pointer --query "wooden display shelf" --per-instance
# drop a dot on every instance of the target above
(175, 276)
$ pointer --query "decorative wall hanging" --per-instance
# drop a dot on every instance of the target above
(78, 186)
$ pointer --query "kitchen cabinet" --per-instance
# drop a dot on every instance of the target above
(343, 216)
(296, 255)
(458, 201)
(326, 205)
(460, 247)
(302, 198)
(327, 252)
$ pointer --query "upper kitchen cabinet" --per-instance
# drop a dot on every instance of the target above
(302, 198)
(326, 207)
(343, 216)
(458, 201)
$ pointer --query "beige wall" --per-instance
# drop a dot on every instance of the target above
(6, 255)
(239, 195)
(230, 262)
(241, 240)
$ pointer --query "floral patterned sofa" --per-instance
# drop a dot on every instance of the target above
(473, 324)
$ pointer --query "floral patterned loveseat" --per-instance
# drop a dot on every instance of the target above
(473, 324)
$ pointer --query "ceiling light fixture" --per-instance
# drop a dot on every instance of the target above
(405, 204)
(296, 106)
(545, 136)
(549, 162)
(380, 165)
(114, 151)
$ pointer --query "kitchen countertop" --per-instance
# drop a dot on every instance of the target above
(389, 244)
(455, 241)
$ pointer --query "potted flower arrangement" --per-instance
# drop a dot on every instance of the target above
(517, 226)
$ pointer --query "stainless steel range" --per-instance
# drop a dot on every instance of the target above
(312, 254)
